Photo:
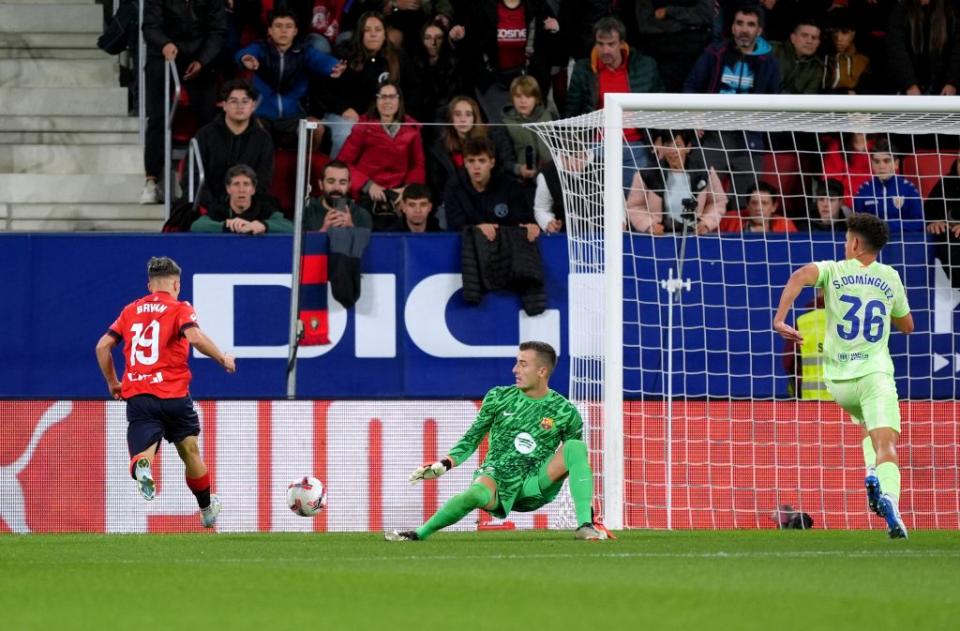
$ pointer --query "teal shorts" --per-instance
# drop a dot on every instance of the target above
(534, 492)
(871, 400)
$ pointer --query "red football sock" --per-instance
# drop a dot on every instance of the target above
(200, 487)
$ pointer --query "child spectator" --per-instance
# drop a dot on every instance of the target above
(463, 122)
(416, 211)
(845, 67)
(529, 152)
(827, 212)
(760, 214)
(479, 196)
(282, 67)
(887, 195)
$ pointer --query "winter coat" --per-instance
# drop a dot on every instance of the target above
(845, 71)
(798, 75)
(441, 168)
(686, 28)
(927, 70)
(283, 77)
(196, 27)
(347, 246)
(390, 161)
(509, 261)
(523, 137)
(503, 202)
(722, 69)
(357, 87)
(221, 149)
(896, 200)
(583, 95)
(852, 168)
(263, 208)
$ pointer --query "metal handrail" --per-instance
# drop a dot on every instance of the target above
(194, 159)
(141, 78)
(169, 109)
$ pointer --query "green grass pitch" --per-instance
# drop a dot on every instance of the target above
(509, 580)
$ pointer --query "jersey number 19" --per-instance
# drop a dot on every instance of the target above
(145, 344)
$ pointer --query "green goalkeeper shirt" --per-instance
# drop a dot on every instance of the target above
(859, 302)
(524, 433)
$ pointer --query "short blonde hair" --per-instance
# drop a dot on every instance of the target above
(527, 86)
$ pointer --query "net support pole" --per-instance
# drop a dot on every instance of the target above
(614, 215)
(673, 285)
(304, 132)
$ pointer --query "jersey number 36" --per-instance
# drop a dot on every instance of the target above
(870, 321)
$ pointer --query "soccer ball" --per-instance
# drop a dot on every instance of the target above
(306, 496)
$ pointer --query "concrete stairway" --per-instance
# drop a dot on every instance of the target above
(70, 157)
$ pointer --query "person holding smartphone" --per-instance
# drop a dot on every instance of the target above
(334, 208)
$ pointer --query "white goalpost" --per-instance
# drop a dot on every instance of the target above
(687, 400)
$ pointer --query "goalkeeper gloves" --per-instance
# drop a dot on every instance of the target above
(430, 471)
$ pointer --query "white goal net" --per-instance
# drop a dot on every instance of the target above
(699, 416)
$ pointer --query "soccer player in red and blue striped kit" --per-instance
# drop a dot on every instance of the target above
(157, 332)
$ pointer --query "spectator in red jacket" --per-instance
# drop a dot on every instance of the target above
(385, 152)
(847, 160)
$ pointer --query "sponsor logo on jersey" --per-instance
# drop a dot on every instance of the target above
(547, 423)
(524, 443)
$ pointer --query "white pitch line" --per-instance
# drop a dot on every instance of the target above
(811, 554)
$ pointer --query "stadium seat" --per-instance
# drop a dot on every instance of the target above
(285, 177)
(927, 168)
(781, 169)
(185, 125)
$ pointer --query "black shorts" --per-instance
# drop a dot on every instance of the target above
(150, 420)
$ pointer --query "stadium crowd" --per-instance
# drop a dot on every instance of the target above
(434, 93)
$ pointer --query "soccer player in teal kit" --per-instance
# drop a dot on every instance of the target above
(535, 444)
(862, 298)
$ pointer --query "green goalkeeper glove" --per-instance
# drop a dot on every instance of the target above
(430, 471)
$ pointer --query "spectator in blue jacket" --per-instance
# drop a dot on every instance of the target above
(887, 195)
(282, 75)
(744, 64)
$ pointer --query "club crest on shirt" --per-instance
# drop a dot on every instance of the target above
(898, 202)
(547, 423)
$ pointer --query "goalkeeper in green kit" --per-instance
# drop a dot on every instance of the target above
(535, 444)
(862, 298)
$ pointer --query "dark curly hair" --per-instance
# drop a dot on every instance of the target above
(872, 229)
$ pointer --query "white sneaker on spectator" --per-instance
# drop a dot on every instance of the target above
(150, 194)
